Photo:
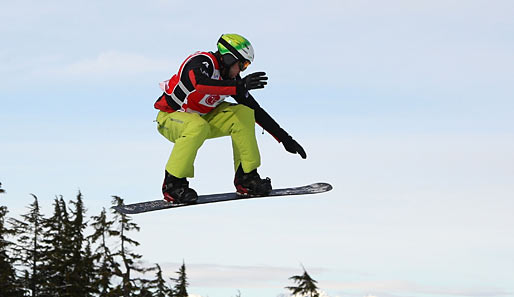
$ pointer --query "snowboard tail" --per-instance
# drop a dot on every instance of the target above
(147, 206)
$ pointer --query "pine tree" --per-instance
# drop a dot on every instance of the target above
(57, 251)
(129, 259)
(90, 272)
(158, 285)
(306, 286)
(181, 284)
(81, 273)
(143, 290)
(9, 285)
(106, 265)
(29, 247)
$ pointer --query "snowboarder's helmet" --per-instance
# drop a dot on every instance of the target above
(235, 48)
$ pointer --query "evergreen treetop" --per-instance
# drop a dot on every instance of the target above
(129, 259)
(305, 285)
(9, 284)
(181, 284)
(29, 248)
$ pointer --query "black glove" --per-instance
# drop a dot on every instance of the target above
(256, 80)
(293, 147)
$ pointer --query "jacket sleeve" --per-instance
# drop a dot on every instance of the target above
(198, 72)
(262, 117)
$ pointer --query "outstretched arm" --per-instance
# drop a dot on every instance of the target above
(269, 124)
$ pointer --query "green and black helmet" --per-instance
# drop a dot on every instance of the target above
(235, 48)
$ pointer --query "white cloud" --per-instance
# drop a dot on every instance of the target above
(227, 276)
(400, 287)
(110, 65)
(382, 285)
(113, 63)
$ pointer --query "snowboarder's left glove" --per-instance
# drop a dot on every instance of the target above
(256, 80)
(293, 147)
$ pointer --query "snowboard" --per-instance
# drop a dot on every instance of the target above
(147, 206)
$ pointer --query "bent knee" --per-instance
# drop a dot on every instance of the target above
(241, 108)
(244, 113)
(199, 127)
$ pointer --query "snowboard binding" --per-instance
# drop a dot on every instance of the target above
(176, 190)
(250, 184)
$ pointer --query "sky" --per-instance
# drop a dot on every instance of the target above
(405, 107)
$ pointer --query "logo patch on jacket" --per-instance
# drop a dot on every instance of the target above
(211, 100)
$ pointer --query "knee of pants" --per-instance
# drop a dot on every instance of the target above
(244, 114)
(198, 128)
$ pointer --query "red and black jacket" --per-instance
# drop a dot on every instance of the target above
(199, 87)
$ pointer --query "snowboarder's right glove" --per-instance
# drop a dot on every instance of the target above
(256, 80)
(293, 147)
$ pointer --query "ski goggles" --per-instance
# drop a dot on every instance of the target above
(244, 64)
(230, 60)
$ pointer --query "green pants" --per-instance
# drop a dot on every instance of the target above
(189, 130)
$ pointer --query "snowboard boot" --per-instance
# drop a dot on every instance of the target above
(177, 190)
(250, 184)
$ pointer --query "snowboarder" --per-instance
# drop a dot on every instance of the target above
(192, 109)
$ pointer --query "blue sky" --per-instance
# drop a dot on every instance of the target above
(406, 107)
